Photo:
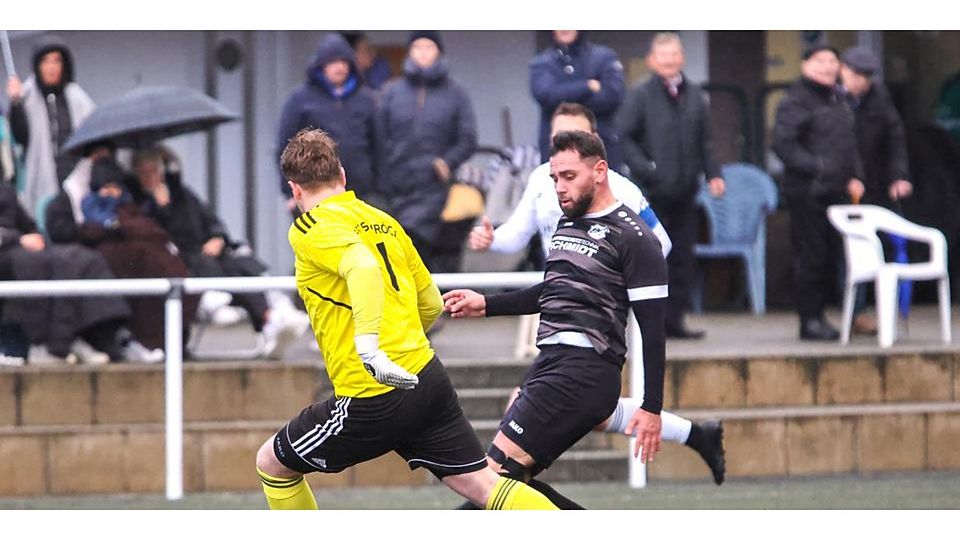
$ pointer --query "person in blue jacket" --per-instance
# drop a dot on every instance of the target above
(334, 99)
(574, 70)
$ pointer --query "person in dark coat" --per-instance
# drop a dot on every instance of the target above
(575, 70)
(134, 245)
(88, 329)
(429, 130)
(665, 125)
(883, 149)
(334, 99)
(204, 244)
(880, 135)
(813, 135)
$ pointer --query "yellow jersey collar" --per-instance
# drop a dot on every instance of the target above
(344, 197)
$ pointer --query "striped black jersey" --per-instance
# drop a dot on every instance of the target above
(597, 265)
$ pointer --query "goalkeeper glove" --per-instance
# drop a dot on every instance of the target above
(380, 367)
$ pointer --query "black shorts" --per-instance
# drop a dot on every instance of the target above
(566, 393)
(426, 426)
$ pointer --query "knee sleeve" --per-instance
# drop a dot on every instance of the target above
(512, 468)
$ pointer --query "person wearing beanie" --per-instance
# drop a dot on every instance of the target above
(44, 111)
(814, 49)
(574, 70)
(429, 130)
(333, 98)
(431, 35)
(813, 135)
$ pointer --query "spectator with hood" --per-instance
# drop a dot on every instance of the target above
(575, 70)
(429, 131)
(334, 99)
(44, 111)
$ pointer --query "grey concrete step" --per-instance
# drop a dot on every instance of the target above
(484, 403)
(486, 429)
(589, 466)
(465, 374)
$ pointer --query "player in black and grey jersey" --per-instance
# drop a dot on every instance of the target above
(603, 261)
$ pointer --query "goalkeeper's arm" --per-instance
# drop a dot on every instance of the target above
(362, 273)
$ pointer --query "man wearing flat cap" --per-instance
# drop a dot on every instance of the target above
(881, 143)
(880, 137)
(814, 137)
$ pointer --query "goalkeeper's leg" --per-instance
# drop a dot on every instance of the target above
(285, 489)
(490, 491)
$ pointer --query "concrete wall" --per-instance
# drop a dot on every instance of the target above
(83, 429)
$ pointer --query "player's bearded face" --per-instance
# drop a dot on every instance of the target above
(574, 181)
(578, 206)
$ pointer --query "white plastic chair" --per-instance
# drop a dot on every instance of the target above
(858, 224)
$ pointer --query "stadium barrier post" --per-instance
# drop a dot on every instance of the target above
(173, 380)
(637, 469)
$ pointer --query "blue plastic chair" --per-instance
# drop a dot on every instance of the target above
(738, 227)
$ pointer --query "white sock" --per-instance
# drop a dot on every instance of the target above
(674, 428)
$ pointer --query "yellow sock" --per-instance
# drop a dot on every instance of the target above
(512, 495)
(287, 493)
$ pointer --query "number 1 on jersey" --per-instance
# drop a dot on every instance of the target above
(386, 261)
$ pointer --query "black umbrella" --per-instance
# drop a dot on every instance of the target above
(148, 114)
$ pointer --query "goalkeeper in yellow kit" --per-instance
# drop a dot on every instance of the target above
(370, 300)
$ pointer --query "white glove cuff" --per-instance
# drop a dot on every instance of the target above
(367, 344)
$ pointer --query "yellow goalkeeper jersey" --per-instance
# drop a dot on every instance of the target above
(319, 238)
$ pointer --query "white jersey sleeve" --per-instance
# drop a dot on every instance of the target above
(523, 223)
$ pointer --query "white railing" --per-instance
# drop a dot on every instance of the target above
(174, 289)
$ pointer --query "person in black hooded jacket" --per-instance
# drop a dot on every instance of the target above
(429, 130)
(814, 136)
(334, 99)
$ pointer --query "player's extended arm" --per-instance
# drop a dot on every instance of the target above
(514, 234)
(360, 269)
(646, 422)
(429, 303)
(519, 302)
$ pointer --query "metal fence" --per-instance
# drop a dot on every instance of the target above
(174, 289)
